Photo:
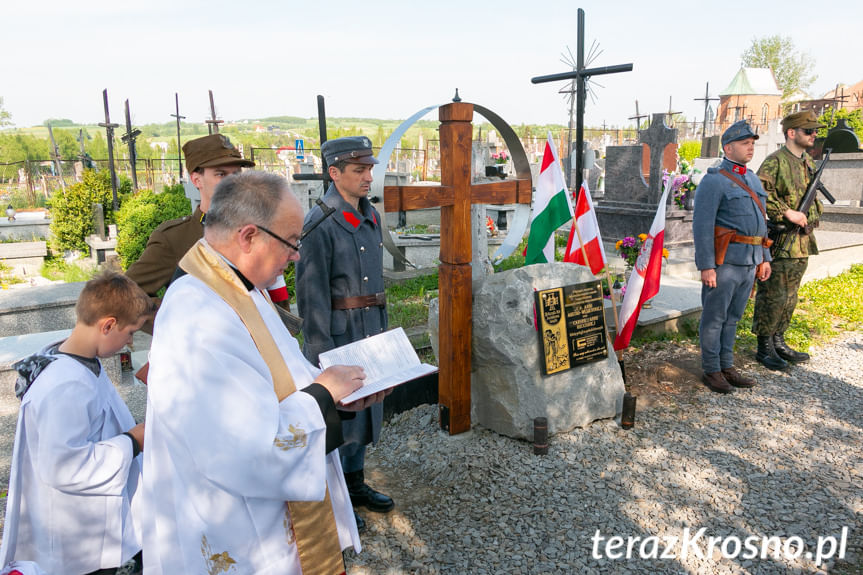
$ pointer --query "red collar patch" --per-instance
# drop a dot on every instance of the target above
(351, 219)
(738, 169)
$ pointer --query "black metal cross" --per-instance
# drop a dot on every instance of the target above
(637, 117)
(109, 135)
(55, 154)
(707, 99)
(129, 138)
(213, 123)
(580, 75)
(178, 117)
(669, 113)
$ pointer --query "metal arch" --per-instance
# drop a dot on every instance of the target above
(519, 159)
(379, 173)
(522, 172)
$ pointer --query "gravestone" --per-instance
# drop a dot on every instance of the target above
(508, 389)
(842, 139)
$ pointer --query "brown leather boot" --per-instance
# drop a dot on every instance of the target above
(736, 378)
(716, 382)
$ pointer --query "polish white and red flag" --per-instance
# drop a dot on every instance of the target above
(643, 283)
(588, 230)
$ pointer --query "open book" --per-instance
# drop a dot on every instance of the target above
(388, 359)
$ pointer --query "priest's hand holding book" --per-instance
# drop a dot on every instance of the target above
(342, 380)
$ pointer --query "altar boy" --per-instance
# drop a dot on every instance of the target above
(75, 464)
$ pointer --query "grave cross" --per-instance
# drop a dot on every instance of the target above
(213, 123)
(739, 111)
(637, 117)
(178, 117)
(707, 99)
(129, 137)
(109, 136)
(55, 155)
(580, 74)
(454, 197)
(669, 113)
(837, 99)
(657, 136)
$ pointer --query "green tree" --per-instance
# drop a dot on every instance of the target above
(854, 120)
(72, 210)
(5, 117)
(141, 214)
(792, 69)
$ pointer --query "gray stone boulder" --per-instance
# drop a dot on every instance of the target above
(508, 389)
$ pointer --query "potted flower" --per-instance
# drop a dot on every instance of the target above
(629, 247)
(499, 167)
(682, 185)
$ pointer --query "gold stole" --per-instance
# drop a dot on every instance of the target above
(313, 522)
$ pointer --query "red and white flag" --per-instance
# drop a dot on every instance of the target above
(643, 283)
(588, 230)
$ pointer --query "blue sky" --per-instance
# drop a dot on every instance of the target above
(389, 59)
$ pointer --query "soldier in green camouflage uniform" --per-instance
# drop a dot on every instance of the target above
(785, 175)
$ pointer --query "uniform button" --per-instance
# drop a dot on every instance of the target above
(362, 248)
(369, 335)
(366, 278)
(366, 308)
(380, 245)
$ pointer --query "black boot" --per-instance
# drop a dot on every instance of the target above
(785, 352)
(361, 523)
(766, 354)
(364, 496)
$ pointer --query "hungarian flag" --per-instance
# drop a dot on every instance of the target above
(551, 208)
(643, 283)
(588, 230)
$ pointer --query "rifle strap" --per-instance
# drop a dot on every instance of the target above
(734, 179)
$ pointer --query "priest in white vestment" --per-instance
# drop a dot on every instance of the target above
(229, 441)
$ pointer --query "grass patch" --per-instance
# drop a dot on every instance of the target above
(407, 301)
(56, 269)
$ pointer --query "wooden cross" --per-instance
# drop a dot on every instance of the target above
(213, 123)
(129, 138)
(454, 198)
(707, 99)
(109, 136)
(637, 117)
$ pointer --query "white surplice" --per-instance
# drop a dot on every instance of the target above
(73, 479)
(221, 454)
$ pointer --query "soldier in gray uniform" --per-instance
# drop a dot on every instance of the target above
(731, 248)
(340, 292)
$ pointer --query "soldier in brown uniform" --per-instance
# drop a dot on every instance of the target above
(208, 160)
(785, 175)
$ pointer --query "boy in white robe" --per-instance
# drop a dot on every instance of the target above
(75, 463)
(227, 446)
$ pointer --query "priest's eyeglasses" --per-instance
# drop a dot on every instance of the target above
(295, 247)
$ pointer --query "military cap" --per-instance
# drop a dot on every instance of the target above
(805, 119)
(353, 150)
(212, 151)
(738, 131)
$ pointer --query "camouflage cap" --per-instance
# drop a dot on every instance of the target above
(804, 119)
(353, 150)
(738, 131)
(211, 151)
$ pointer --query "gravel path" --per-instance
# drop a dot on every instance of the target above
(782, 460)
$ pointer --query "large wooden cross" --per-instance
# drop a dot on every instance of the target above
(454, 197)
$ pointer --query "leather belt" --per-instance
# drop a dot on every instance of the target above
(360, 301)
(750, 240)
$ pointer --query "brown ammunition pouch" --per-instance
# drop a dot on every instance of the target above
(722, 238)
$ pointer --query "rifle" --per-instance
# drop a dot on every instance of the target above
(782, 233)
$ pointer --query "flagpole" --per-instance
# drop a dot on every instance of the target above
(607, 278)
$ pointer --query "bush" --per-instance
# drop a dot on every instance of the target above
(689, 150)
(72, 209)
(141, 214)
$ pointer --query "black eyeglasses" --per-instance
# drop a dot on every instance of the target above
(808, 131)
(295, 247)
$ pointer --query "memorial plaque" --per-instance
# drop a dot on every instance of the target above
(571, 324)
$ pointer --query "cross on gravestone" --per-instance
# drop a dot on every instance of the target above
(637, 117)
(580, 74)
(454, 197)
(129, 137)
(109, 136)
(706, 99)
(213, 123)
(657, 136)
(178, 117)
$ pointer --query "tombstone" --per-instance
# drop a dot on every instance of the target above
(842, 139)
(770, 140)
(629, 203)
(710, 147)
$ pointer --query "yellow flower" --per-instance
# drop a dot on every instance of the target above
(642, 237)
(665, 253)
(618, 244)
